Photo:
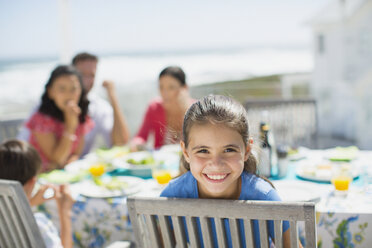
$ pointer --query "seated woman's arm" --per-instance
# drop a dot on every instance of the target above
(139, 141)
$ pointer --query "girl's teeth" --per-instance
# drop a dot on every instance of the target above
(216, 177)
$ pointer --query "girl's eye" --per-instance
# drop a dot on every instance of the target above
(202, 151)
(230, 150)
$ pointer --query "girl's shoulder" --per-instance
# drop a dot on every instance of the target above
(184, 186)
(42, 122)
(256, 188)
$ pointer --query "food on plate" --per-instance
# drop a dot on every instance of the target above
(343, 153)
(142, 161)
(112, 183)
(325, 171)
(111, 153)
(319, 170)
(62, 176)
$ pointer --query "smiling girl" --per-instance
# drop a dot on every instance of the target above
(217, 156)
(58, 127)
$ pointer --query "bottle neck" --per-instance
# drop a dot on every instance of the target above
(265, 138)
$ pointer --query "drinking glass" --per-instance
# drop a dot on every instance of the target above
(341, 179)
(97, 170)
(161, 174)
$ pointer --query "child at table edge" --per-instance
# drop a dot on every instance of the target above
(217, 157)
(19, 161)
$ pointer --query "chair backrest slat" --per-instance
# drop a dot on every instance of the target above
(234, 230)
(248, 231)
(179, 231)
(294, 235)
(168, 239)
(237, 213)
(310, 228)
(206, 232)
(193, 231)
(278, 233)
(153, 230)
(221, 232)
(7, 240)
(263, 233)
(18, 227)
(15, 223)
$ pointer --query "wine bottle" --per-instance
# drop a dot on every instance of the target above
(264, 166)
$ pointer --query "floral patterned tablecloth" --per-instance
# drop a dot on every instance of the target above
(98, 222)
(341, 221)
(345, 221)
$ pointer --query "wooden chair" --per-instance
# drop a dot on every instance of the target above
(18, 227)
(293, 121)
(152, 226)
(9, 128)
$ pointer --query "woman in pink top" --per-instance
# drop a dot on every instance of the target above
(164, 116)
(58, 127)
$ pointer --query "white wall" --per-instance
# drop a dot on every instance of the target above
(342, 77)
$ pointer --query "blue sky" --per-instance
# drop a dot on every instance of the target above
(32, 28)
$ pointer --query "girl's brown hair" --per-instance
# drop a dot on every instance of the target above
(18, 161)
(218, 109)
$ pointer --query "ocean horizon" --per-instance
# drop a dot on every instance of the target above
(135, 74)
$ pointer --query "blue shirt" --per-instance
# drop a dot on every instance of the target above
(253, 188)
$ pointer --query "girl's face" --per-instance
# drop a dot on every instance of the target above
(216, 155)
(170, 88)
(65, 89)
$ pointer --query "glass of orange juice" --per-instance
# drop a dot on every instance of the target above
(341, 180)
(97, 170)
(161, 174)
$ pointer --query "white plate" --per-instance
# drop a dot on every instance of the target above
(322, 171)
(291, 190)
(166, 159)
(90, 189)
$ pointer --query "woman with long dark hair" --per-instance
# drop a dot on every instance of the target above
(58, 127)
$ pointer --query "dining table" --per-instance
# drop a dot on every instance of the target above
(100, 218)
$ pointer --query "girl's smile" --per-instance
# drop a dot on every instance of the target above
(216, 155)
(216, 177)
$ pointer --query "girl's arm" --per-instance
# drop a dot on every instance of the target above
(64, 204)
(287, 241)
(56, 151)
(77, 153)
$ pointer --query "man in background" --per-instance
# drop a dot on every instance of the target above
(107, 116)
